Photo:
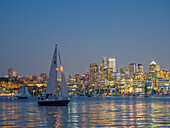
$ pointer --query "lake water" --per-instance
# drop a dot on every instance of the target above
(88, 112)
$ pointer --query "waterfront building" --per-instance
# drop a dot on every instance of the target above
(132, 69)
(112, 63)
(94, 73)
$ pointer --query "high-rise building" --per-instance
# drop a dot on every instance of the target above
(109, 73)
(10, 72)
(152, 67)
(132, 69)
(154, 70)
(104, 62)
(15, 74)
(94, 73)
(112, 63)
(140, 68)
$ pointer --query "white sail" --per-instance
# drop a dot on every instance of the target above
(64, 88)
(52, 80)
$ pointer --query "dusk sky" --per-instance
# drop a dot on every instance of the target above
(85, 31)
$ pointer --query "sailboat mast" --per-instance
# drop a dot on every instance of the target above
(56, 68)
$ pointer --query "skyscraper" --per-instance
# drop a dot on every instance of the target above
(112, 63)
(104, 62)
(132, 69)
(10, 72)
(154, 70)
(94, 73)
(15, 74)
(140, 68)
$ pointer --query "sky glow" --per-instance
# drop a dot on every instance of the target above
(85, 31)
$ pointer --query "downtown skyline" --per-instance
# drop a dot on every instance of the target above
(85, 31)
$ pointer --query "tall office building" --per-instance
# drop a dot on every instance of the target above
(132, 69)
(10, 72)
(104, 62)
(15, 74)
(94, 73)
(152, 67)
(112, 63)
(154, 70)
(140, 68)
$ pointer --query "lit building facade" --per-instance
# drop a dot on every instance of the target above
(10, 72)
(131, 69)
(109, 73)
(104, 62)
(140, 68)
(15, 74)
(112, 63)
(94, 74)
(123, 71)
(154, 70)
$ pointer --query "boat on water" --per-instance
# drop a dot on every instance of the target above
(23, 94)
(144, 95)
(52, 97)
(4, 95)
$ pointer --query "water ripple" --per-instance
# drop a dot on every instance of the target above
(87, 112)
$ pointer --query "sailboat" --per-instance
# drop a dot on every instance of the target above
(23, 94)
(116, 93)
(52, 98)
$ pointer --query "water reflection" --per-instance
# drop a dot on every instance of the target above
(88, 112)
(121, 112)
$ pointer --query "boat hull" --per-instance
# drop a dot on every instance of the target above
(53, 102)
(22, 97)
